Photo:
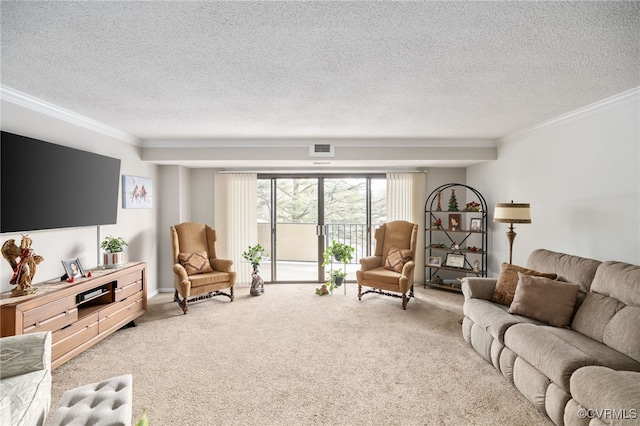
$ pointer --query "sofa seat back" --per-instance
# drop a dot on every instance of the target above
(610, 312)
(569, 268)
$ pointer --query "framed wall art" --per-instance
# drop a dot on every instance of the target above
(137, 192)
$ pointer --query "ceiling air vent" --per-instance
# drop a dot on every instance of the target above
(321, 150)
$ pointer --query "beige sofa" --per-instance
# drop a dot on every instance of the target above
(25, 379)
(587, 372)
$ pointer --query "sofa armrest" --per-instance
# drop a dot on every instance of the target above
(24, 354)
(370, 262)
(478, 287)
(598, 389)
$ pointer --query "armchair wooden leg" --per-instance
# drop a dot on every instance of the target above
(359, 292)
(231, 295)
(182, 303)
(406, 299)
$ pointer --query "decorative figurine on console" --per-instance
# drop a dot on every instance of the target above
(25, 268)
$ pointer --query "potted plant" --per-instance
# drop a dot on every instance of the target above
(339, 252)
(337, 276)
(254, 256)
(113, 256)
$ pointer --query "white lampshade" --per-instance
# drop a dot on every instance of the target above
(512, 213)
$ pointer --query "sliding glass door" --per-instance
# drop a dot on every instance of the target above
(298, 216)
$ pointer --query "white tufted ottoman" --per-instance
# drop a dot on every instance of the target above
(98, 404)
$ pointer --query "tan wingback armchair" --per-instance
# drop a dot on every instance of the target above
(391, 268)
(199, 273)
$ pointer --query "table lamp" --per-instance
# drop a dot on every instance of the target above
(512, 213)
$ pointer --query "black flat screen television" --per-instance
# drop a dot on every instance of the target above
(49, 186)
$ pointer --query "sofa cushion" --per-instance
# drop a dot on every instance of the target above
(618, 280)
(397, 258)
(573, 269)
(558, 352)
(543, 299)
(382, 275)
(594, 314)
(195, 263)
(606, 317)
(209, 278)
(623, 332)
(492, 318)
(508, 280)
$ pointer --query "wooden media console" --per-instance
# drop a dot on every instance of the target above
(78, 314)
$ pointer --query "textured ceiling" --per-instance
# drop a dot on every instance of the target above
(212, 70)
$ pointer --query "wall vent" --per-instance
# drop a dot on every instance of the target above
(321, 150)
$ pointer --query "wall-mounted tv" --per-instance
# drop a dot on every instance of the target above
(49, 186)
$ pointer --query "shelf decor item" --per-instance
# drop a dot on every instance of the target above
(472, 207)
(453, 202)
(435, 261)
(512, 213)
(455, 260)
(454, 222)
(113, 256)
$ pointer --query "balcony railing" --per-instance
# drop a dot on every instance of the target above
(353, 234)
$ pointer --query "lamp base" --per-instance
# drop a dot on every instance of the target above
(511, 235)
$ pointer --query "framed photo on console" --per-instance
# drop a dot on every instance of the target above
(73, 268)
(475, 224)
(455, 260)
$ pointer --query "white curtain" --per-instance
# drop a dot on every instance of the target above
(400, 196)
(242, 220)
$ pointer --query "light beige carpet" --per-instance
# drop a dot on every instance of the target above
(290, 357)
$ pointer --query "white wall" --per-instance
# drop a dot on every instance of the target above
(581, 175)
(136, 226)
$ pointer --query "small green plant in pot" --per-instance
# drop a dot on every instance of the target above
(113, 256)
(342, 253)
(337, 277)
(254, 255)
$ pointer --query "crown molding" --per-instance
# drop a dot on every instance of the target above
(7, 94)
(616, 101)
